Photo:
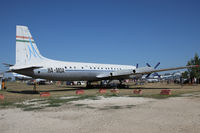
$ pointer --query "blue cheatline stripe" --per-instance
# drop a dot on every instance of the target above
(34, 50)
(92, 70)
(29, 53)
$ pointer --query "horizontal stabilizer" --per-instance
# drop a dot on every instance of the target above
(24, 68)
(7, 65)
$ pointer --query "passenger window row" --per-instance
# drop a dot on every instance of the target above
(94, 68)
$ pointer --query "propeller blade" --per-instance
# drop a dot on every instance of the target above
(157, 65)
(148, 75)
(148, 65)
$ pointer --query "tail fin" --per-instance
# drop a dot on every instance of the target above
(26, 49)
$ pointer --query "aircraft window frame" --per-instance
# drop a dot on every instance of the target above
(82, 67)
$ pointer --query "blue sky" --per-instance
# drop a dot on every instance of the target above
(105, 31)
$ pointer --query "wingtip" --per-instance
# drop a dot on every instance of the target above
(193, 66)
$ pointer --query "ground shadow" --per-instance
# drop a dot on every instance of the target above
(67, 89)
(148, 88)
(24, 92)
(46, 90)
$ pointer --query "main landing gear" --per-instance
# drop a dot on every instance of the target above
(35, 87)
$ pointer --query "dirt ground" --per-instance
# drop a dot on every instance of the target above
(109, 115)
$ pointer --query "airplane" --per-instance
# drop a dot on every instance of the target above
(31, 63)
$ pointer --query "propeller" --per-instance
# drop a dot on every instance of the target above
(155, 73)
(137, 65)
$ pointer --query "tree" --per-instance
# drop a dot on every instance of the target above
(194, 72)
(185, 75)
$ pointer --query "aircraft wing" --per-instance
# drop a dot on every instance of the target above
(138, 71)
(166, 69)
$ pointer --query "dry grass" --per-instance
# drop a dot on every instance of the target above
(18, 92)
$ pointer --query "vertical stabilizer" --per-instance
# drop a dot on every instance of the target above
(26, 49)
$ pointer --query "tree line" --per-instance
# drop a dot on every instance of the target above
(193, 73)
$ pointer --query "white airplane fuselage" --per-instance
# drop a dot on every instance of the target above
(73, 71)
